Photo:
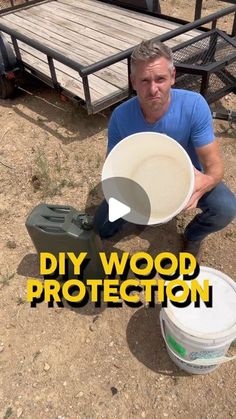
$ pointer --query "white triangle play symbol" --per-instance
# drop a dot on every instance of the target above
(117, 209)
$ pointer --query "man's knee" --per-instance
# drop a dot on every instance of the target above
(224, 208)
(220, 203)
(231, 210)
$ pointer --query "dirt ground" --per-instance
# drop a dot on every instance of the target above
(86, 363)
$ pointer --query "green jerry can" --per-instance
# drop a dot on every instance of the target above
(58, 228)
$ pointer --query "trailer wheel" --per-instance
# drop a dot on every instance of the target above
(7, 88)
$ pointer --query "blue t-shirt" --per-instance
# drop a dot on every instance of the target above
(188, 120)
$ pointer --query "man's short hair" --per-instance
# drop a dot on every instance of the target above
(148, 50)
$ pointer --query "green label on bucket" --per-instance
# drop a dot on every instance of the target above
(176, 346)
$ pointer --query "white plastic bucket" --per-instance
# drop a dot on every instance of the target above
(198, 338)
(160, 165)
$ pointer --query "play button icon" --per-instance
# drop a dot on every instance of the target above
(126, 199)
(117, 209)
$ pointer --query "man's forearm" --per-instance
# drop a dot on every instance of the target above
(214, 174)
(212, 163)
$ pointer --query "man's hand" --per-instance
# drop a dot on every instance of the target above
(200, 188)
(210, 158)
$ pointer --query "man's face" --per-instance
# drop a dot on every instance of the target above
(152, 81)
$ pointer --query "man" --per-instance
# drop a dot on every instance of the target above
(184, 116)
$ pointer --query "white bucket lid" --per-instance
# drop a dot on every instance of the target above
(160, 165)
(216, 321)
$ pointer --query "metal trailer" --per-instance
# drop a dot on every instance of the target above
(82, 49)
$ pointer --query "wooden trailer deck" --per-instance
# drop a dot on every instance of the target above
(86, 31)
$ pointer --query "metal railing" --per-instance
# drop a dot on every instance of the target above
(165, 37)
(198, 12)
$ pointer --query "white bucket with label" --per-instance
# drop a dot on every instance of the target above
(198, 338)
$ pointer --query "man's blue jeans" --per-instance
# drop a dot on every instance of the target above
(218, 210)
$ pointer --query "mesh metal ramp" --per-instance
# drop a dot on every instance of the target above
(207, 65)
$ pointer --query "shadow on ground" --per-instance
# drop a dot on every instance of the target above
(146, 344)
(55, 114)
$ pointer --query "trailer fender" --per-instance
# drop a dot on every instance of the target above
(8, 63)
(8, 60)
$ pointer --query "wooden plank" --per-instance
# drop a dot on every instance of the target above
(159, 25)
(86, 56)
(96, 83)
(139, 17)
(67, 35)
(67, 77)
(106, 78)
(108, 28)
(81, 25)
(59, 37)
(87, 17)
(130, 18)
(127, 16)
(83, 9)
(98, 36)
(38, 61)
(95, 36)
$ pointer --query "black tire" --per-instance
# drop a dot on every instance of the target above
(7, 88)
